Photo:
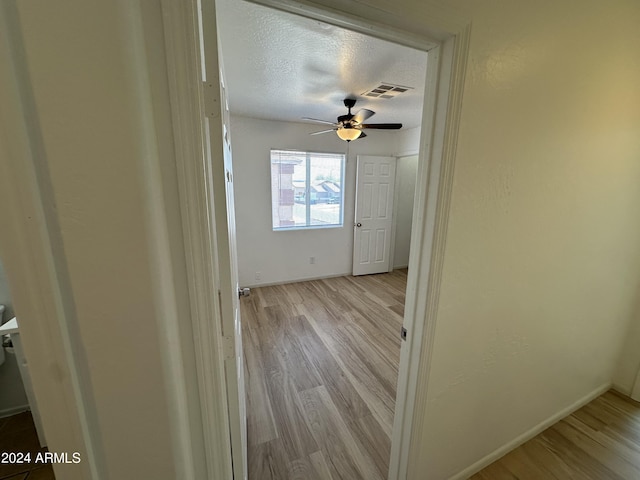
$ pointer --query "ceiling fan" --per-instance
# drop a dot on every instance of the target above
(350, 126)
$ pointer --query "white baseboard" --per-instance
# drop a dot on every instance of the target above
(621, 389)
(295, 280)
(7, 412)
(529, 434)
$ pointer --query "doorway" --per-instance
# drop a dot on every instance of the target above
(185, 97)
(437, 145)
(268, 120)
(322, 311)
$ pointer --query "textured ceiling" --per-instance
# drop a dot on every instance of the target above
(284, 67)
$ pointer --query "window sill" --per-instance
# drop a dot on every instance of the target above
(310, 227)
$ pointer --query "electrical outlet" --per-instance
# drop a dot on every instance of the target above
(258, 275)
(312, 260)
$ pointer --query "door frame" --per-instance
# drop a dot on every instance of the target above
(190, 109)
(446, 37)
(42, 290)
(35, 259)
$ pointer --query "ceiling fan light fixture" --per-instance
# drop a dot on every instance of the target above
(350, 126)
(347, 134)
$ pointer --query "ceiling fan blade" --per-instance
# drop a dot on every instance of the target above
(362, 115)
(319, 121)
(362, 135)
(324, 131)
(382, 126)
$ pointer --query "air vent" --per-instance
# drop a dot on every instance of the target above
(386, 90)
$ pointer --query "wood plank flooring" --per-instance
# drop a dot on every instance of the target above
(321, 366)
(321, 360)
(18, 434)
(600, 441)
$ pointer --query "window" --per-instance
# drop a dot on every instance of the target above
(306, 189)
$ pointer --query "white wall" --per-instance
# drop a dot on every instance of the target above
(406, 171)
(12, 395)
(409, 141)
(284, 256)
(542, 266)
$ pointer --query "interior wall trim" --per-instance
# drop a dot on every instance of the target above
(431, 232)
(207, 402)
(532, 432)
(621, 389)
(7, 412)
(297, 280)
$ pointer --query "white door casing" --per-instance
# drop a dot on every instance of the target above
(446, 37)
(374, 214)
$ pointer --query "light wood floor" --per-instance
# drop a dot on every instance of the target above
(601, 441)
(321, 363)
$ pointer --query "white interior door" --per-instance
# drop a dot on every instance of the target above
(231, 324)
(374, 214)
(221, 178)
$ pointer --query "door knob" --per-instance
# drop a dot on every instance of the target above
(358, 224)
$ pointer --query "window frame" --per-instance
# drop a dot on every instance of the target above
(307, 193)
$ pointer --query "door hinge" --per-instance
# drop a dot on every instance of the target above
(227, 341)
(211, 103)
(228, 348)
(403, 333)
